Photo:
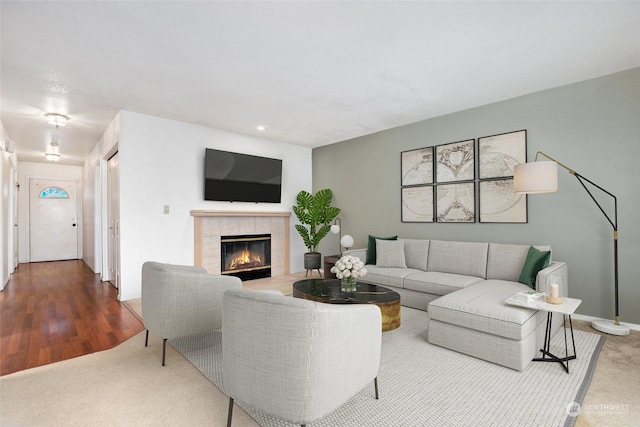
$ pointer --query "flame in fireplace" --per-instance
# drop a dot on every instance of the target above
(245, 259)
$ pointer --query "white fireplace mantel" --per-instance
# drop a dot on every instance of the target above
(209, 226)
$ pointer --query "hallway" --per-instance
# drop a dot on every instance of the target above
(52, 311)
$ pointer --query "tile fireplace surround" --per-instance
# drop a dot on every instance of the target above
(208, 226)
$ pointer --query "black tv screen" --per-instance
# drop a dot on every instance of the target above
(236, 177)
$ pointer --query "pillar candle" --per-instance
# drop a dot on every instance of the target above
(553, 290)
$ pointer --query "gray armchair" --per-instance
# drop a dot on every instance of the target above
(296, 359)
(179, 300)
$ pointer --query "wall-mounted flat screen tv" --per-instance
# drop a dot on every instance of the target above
(236, 177)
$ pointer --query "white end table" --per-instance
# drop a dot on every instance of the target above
(567, 308)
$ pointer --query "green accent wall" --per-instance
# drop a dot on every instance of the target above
(593, 127)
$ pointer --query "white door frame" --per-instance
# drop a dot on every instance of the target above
(9, 232)
(12, 221)
(112, 224)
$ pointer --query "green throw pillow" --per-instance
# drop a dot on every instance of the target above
(371, 248)
(536, 261)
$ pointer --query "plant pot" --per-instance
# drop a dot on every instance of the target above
(312, 260)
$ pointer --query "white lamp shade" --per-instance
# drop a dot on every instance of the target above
(535, 177)
(346, 241)
(335, 228)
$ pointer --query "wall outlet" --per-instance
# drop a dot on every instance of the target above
(166, 209)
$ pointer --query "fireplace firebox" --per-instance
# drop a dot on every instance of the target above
(247, 257)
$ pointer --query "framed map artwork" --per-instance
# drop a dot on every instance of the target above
(438, 184)
(417, 166)
(498, 202)
(456, 202)
(498, 154)
(455, 161)
(417, 204)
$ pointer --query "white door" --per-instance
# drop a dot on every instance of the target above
(13, 221)
(53, 220)
(113, 219)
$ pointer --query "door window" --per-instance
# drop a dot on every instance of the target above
(54, 193)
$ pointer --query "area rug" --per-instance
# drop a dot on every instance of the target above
(425, 385)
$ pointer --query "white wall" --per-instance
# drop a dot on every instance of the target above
(8, 163)
(26, 171)
(162, 163)
(91, 210)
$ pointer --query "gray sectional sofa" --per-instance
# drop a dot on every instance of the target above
(462, 286)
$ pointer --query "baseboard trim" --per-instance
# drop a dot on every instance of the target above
(590, 318)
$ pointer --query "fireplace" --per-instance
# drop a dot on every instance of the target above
(210, 226)
(247, 257)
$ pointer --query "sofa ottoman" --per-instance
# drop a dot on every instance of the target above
(475, 321)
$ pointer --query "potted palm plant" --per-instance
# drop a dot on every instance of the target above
(315, 214)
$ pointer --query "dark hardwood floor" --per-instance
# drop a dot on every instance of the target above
(52, 311)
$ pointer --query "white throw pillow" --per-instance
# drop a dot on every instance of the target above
(416, 252)
(390, 253)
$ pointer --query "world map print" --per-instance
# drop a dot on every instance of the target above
(498, 202)
(500, 153)
(455, 161)
(417, 204)
(456, 202)
(417, 166)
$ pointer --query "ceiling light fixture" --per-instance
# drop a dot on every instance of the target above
(261, 128)
(52, 155)
(57, 120)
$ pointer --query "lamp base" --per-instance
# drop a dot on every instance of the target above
(609, 327)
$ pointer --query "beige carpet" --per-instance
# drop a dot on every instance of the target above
(613, 398)
(126, 386)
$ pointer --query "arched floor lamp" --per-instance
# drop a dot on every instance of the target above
(542, 177)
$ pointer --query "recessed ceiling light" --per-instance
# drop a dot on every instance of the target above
(52, 157)
(57, 120)
(261, 128)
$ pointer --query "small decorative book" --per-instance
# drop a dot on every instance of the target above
(530, 296)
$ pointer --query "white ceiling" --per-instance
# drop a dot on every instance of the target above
(313, 72)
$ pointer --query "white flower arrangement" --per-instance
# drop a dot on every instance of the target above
(349, 266)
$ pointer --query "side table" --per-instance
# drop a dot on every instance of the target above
(329, 261)
(567, 308)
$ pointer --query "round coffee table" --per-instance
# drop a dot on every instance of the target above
(328, 291)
